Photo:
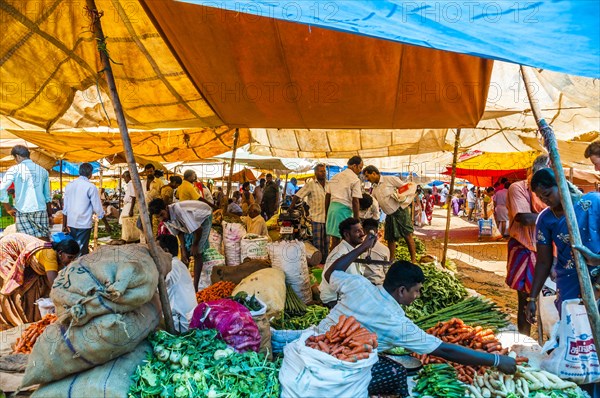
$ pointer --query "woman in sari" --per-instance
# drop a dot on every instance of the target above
(418, 207)
(428, 203)
(28, 267)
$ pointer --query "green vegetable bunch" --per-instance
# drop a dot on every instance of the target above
(440, 290)
(439, 380)
(474, 311)
(293, 305)
(402, 252)
(313, 316)
(199, 364)
(249, 302)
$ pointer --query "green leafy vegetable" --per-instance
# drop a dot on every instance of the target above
(194, 369)
(440, 290)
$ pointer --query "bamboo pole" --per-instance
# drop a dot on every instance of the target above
(587, 292)
(119, 204)
(448, 202)
(60, 175)
(157, 254)
(235, 143)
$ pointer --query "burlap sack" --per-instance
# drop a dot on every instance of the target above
(112, 279)
(109, 380)
(236, 274)
(60, 352)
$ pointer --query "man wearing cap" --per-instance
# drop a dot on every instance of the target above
(398, 222)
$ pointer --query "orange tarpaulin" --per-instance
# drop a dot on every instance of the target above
(261, 72)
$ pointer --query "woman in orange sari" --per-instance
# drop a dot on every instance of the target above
(28, 267)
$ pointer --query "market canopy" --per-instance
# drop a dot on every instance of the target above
(562, 36)
(484, 169)
(244, 175)
(162, 145)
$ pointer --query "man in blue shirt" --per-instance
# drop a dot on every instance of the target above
(82, 200)
(32, 208)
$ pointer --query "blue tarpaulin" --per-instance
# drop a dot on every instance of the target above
(71, 168)
(558, 35)
(333, 170)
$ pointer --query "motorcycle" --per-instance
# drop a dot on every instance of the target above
(293, 224)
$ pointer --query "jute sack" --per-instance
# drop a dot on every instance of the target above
(112, 379)
(112, 279)
(60, 352)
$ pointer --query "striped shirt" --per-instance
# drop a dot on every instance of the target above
(314, 195)
(376, 310)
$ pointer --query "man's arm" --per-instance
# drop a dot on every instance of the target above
(342, 263)
(132, 206)
(196, 252)
(526, 219)
(184, 254)
(356, 208)
(467, 356)
(543, 266)
(212, 206)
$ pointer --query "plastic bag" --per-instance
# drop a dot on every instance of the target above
(290, 257)
(233, 321)
(232, 237)
(254, 247)
(215, 240)
(211, 258)
(306, 372)
(574, 356)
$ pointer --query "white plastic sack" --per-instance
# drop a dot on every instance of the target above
(306, 372)
(232, 237)
(215, 240)
(290, 257)
(574, 357)
(281, 338)
(548, 314)
(254, 247)
(210, 259)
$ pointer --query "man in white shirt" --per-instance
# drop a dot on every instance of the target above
(378, 309)
(398, 221)
(180, 287)
(353, 235)
(444, 195)
(341, 200)
(375, 273)
(33, 204)
(186, 217)
(82, 200)
(313, 192)
(128, 198)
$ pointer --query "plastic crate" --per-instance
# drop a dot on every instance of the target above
(486, 227)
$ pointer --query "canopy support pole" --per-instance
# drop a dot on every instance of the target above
(157, 253)
(235, 143)
(587, 293)
(448, 202)
(60, 165)
(571, 174)
(120, 187)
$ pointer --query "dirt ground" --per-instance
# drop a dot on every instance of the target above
(481, 265)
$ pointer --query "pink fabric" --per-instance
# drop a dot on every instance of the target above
(15, 251)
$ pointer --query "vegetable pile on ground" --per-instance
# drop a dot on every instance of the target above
(249, 302)
(474, 311)
(455, 331)
(347, 341)
(29, 336)
(439, 381)
(440, 290)
(313, 316)
(293, 305)
(527, 382)
(214, 292)
(402, 252)
(199, 364)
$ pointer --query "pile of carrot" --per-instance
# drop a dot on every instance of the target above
(217, 291)
(347, 341)
(29, 336)
(457, 332)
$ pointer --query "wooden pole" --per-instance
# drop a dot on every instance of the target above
(235, 143)
(587, 292)
(119, 204)
(157, 253)
(60, 163)
(448, 202)
(571, 174)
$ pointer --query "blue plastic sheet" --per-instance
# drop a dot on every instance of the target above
(558, 35)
